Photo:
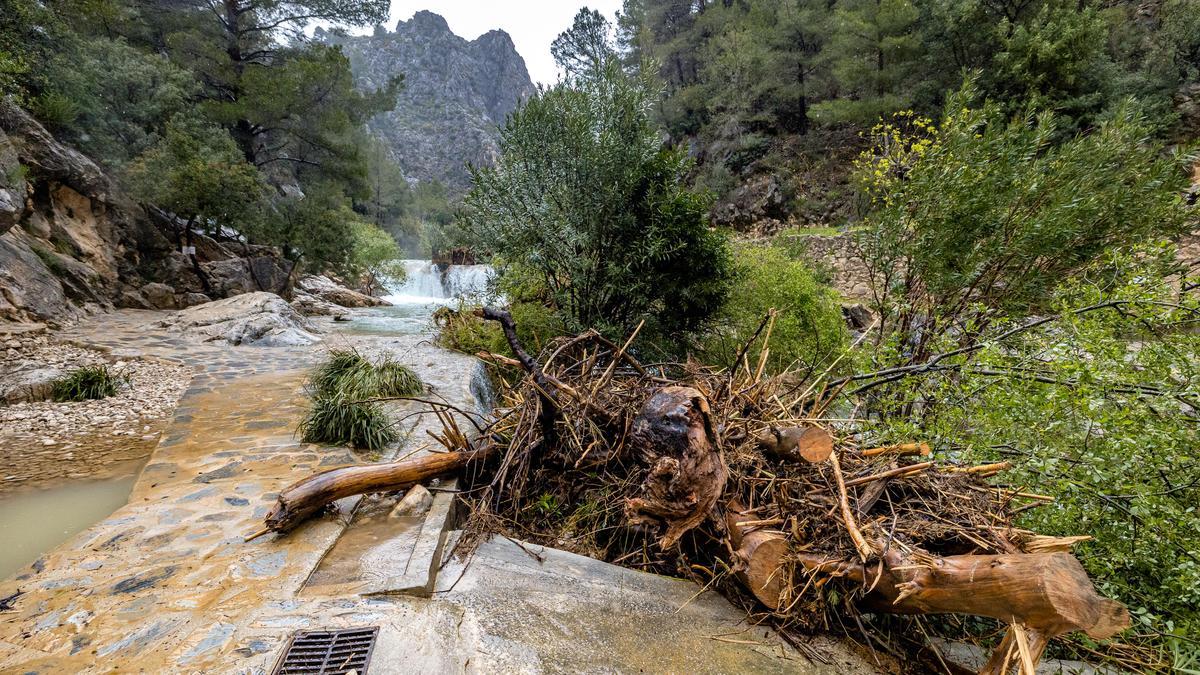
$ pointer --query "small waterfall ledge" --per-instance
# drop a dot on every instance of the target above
(427, 283)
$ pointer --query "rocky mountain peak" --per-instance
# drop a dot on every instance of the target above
(456, 93)
(425, 21)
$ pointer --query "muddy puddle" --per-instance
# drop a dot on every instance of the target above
(37, 520)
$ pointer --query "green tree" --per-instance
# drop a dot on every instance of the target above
(585, 194)
(586, 46)
(263, 81)
(121, 96)
(873, 53)
(197, 173)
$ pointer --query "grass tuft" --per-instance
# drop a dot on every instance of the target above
(88, 383)
(349, 374)
(341, 413)
(334, 420)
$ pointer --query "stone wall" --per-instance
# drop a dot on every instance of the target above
(837, 254)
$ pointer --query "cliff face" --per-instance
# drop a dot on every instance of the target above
(70, 239)
(456, 93)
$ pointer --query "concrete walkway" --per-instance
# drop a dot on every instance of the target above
(166, 584)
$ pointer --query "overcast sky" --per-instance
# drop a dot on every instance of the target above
(533, 24)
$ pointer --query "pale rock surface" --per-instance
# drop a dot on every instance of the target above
(326, 289)
(456, 95)
(260, 319)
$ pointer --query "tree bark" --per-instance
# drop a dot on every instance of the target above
(673, 436)
(300, 500)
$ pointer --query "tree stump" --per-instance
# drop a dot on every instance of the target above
(673, 437)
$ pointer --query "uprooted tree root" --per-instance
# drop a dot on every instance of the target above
(739, 481)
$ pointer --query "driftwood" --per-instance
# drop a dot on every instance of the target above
(304, 498)
(1041, 595)
(781, 507)
(673, 436)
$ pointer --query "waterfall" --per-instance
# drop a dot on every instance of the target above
(426, 283)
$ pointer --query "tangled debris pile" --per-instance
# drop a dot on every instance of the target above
(743, 482)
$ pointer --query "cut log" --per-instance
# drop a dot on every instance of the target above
(672, 435)
(302, 499)
(760, 554)
(810, 444)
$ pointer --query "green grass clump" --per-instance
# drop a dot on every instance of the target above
(394, 379)
(334, 420)
(341, 413)
(348, 374)
(88, 383)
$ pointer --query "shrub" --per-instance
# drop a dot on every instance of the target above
(1097, 409)
(341, 414)
(808, 329)
(459, 329)
(982, 215)
(89, 383)
(336, 420)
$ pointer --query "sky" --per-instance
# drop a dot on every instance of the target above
(533, 24)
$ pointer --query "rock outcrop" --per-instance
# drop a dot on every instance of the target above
(259, 318)
(324, 288)
(456, 93)
(69, 239)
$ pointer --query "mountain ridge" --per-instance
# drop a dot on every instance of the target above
(456, 95)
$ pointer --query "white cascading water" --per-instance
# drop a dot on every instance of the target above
(426, 283)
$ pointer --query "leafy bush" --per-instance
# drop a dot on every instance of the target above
(88, 383)
(1097, 409)
(982, 215)
(808, 329)
(337, 420)
(459, 329)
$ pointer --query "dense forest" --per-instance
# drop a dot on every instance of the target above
(785, 88)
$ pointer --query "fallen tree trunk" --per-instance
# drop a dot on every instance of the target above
(1041, 595)
(759, 555)
(300, 500)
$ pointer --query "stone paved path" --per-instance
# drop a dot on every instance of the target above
(159, 585)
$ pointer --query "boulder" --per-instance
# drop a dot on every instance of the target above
(259, 318)
(310, 305)
(185, 300)
(160, 296)
(32, 383)
(326, 289)
(234, 276)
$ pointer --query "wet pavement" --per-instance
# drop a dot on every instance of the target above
(160, 584)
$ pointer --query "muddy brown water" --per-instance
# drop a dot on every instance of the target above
(33, 521)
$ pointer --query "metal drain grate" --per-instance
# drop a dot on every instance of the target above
(328, 652)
